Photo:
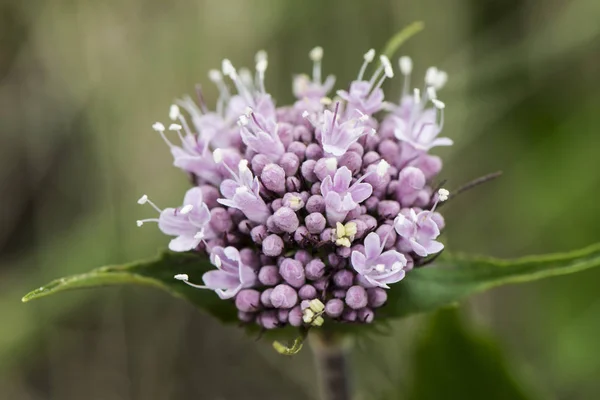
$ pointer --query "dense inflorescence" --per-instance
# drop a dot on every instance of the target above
(310, 211)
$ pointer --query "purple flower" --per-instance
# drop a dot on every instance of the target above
(421, 128)
(420, 230)
(311, 92)
(341, 197)
(243, 193)
(337, 136)
(229, 278)
(378, 268)
(259, 133)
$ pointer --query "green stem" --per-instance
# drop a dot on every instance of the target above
(332, 364)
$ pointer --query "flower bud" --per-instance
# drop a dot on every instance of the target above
(269, 275)
(284, 296)
(283, 315)
(365, 315)
(246, 316)
(339, 293)
(314, 151)
(265, 297)
(388, 209)
(308, 171)
(325, 167)
(315, 223)
(356, 297)
(268, 319)
(292, 184)
(315, 188)
(343, 279)
(220, 220)
(334, 308)
(272, 245)
(273, 178)
(370, 158)
(210, 194)
(307, 292)
(258, 163)
(286, 219)
(290, 163)
(357, 148)
(276, 204)
(247, 300)
(349, 315)
(315, 204)
(326, 235)
(285, 133)
(343, 251)
(387, 231)
(352, 161)
(293, 200)
(301, 234)
(315, 269)
(295, 316)
(297, 148)
(321, 283)
(303, 256)
(376, 297)
(389, 150)
(250, 258)
(302, 134)
(258, 233)
(371, 204)
(292, 272)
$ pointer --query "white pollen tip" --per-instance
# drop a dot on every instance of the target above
(182, 277)
(331, 163)
(248, 111)
(316, 54)
(186, 209)
(218, 262)
(396, 266)
(243, 165)
(215, 75)
(143, 199)
(158, 127)
(173, 112)
(260, 55)
(304, 114)
(387, 66)
(431, 76)
(372, 132)
(174, 127)
(199, 235)
(139, 223)
(227, 68)
(438, 104)
(443, 194)
(382, 168)
(406, 65)
(218, 155)
(243, 120)
(261, 65)
(369, 55)
(441, 79)
(380, 268)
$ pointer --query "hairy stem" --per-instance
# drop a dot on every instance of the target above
(332, 365)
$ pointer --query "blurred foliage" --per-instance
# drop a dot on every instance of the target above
(83, 81)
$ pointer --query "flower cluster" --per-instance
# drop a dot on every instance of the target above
(311, 211)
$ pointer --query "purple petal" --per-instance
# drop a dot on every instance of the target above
(359, 261)
(372, 246)
(342, 179)
(360, 191)
(183, 243)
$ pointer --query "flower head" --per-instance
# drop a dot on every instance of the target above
(377, 267)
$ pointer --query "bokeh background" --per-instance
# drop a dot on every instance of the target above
(82, 81)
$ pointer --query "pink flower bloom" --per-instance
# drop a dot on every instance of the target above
(341, 197)
(377, 267)
(420, 231)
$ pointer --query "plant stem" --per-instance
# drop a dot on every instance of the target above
(331, 360)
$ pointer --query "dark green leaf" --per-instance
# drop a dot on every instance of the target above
(158, 273)
(451, 361)
(453, 278)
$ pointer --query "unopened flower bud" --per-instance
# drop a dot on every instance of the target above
(273, 178)
(308, 170)
(326, 167)
(343, 278)
(365, 315)
(258, 163)
(247, 300)
(268, 319)
(258, 233)
(307, 292)
(314, 151)
(356, 297)
(269, 275)
(286, 219)
(284, 296)
(292, 184)
(297, 148)
(315, 223)
(315, 269)
(295, 316)
(352, 161)
(293, 200)
(376, 297)
(220, 220)
(272, 245)
(388, 208)
(334, 308)
(292, 272)
(265, 297)
(315, 204)
(290, 163)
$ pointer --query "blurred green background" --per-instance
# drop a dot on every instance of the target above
(81, 83)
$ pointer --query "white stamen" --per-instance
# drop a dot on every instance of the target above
(372, 132)
(438, 104)
(199, 235)
(243, 165)
(215, 75)
(261, 66)
(260, 55)
(441, 79)
(243, 120)
(139, 222)
(246, 78)
(186, 209)
(248, 111)
(218, 155)
(305, 114)
(143, 199)
(406, 65)
(316, 54)
(380, 267)
(174, 127)
(431, 76)
(369, 55)
(228, 69)
(158, 127)
(218, 262)
(241, 190)
(431, 92)
(331, 163)
(363, 117)
(173, 112)
(382, 168)
(182, 277)
(443, 194)
(396, 266)
(417, 96)
(387, 66)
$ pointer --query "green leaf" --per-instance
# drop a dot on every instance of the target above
(451, 361)
(453, 278)
(156, 272)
